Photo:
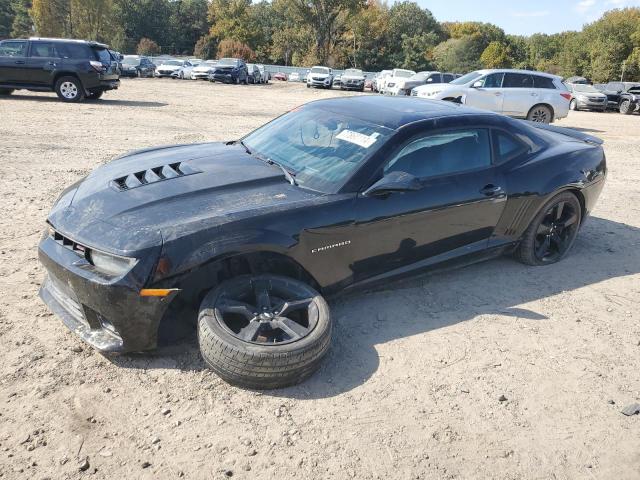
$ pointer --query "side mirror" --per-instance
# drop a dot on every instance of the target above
(430, 80)
(393, 182)
(477, 84)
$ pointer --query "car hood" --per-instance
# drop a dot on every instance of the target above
(352, 77)
(224, 68)
(205, 185)
(203, 68)
(170, 67)
(318, 75)
(588, 94)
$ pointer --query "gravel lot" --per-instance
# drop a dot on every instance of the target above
(412, 386)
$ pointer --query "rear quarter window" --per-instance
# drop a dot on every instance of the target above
(506, 147)
(76, 51)
(103, 55)
(543, 82)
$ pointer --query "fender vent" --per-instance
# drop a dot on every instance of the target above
(153, 175)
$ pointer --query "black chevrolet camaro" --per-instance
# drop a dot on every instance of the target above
(243, 237)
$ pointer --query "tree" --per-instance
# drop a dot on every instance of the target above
(364, 43)
(146, 46)
(188, 23)
(52, 18)
(144, 19)
(206, 47)
(458, 55)
(7, 15)
(231, 20)
(22, 25)
(496, 55)
(93, 19)
(235, 49)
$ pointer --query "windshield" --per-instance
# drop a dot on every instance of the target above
(585, 88)
(173, 62)
(228, 62)
(469, 77)
(404, 73)
(321, 149)
(353, 72)
(208, 63)
(319, 70)
(131, 61)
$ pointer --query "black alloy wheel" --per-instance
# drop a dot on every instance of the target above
(264, 331)
(552, 233)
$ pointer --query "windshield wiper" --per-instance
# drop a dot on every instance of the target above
(245, 146)
(287, 174)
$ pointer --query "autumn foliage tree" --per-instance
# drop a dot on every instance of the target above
(235, 49)
(146, 46)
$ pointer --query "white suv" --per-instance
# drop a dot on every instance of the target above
(536, 96)
(395, 82)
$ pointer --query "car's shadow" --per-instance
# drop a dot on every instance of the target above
(364, 319)
(102, 102)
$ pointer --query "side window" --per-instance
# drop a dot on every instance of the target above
(76, 51)
(13, 48)
(493, 80)
(543, 82)
(447, 78)
(506, 147)
(43, 49)
(517, 80)
(444, 153)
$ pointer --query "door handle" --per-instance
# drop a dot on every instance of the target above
(497, 94)
(19, 62)
(534, 94)
(492, 190)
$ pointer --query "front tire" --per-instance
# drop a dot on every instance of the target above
(573, 105)
(540, 114)
(626, 107)
(69, 89)
(552, 232)
(264, 331)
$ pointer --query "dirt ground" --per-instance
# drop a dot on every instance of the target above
(412, 386)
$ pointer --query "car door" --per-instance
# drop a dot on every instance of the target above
(486, 93)
(519, 94)
(42, 61)
(13, 62)
(455, 210)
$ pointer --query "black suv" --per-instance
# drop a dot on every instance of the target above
(230, 70)
(74, 69)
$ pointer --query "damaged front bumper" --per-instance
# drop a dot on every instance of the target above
(106, 312)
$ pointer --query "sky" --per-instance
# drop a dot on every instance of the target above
(525, 17)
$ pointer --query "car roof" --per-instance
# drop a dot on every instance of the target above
(394, 112)
(70, 40)
(513, 70)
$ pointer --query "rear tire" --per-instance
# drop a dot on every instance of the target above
(540, 114)
(546, 231)
(247, 355)
(95, 96)
(69, 89)
(626, 108)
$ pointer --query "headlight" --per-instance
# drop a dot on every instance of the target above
(111, 264)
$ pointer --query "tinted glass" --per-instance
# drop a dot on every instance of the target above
(543, 82)
(43, 49)
(132, 61)
(103, 55)
(446, 78)
(517, 80)
(614, 87)
(13, 49)
(507, 147)
(321, 148)
(468, 78)
(493, 80)
(434, 78)
(228, 62)
(444, 153)
(75, 51)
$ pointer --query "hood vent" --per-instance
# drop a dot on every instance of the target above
(153, 175)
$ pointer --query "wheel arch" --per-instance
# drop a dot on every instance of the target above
(61, 74)
(181, 315)
(544, 104)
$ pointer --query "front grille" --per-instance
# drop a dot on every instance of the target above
(66, 242)
(152, 175)
(414, 93)
(318, 79)
(596, 99)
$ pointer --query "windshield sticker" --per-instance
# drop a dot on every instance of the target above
(360, 139)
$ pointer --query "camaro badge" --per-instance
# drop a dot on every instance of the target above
(329, 247)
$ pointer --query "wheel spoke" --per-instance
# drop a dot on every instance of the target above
(559, 210)
(250, 332)
(292, 305)
(292, 329)
(229, 305)
(543, 229)
(559, 242)
(543, 248)
(261, 290)
(570, 221)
